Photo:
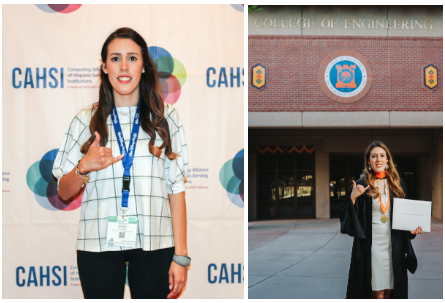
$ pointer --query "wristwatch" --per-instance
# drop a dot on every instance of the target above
(182, 260)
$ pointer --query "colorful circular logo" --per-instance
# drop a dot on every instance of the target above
(59, 8)
(345, 76)
(171, 73)
(231, 177)
(41, 181)
(238, 7)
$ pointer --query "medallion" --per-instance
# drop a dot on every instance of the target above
(384, 218)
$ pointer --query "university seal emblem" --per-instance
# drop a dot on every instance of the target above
(430, 76)
(345, 76)
(259, 73)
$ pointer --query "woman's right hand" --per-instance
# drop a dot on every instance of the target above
(97, 157)
(357, 191)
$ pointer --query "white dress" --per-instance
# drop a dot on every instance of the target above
(381, 249)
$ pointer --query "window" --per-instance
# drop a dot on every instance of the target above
(286, 182)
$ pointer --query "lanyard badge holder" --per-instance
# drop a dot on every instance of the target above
(122, 232)
(127, 161)
(126, 193)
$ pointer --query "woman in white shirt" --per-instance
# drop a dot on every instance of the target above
(127, 155)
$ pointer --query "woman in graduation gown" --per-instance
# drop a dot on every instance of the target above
(392, 254)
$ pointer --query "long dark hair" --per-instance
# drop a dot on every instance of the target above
(152, 104)
(392, 175)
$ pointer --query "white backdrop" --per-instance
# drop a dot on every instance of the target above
(40, 43)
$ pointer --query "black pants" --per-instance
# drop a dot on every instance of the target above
(102, 274)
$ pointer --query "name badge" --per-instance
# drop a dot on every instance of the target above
(122, 232)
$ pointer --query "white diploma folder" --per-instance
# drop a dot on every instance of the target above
(409, 214)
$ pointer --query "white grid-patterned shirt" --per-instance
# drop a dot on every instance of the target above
(151, 182)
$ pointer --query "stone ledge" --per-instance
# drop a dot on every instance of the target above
(382, 119)
(416, 119)
(275, 119)
(346, 119)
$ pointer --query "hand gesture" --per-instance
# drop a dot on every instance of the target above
(357, 191)
(98, 157)
(417, 231)
(177, 278)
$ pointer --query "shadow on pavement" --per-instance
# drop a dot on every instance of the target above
(308, 259)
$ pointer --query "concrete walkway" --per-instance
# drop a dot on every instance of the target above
(308, 259)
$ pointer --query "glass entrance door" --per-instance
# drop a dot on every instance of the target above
(407, 168)
(342, 170)
(286, 184)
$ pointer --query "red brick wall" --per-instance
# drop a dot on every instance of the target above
(397, 64)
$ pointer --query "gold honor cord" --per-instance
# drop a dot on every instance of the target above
(384, 218)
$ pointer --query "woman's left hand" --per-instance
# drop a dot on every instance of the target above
(177, 278)
(417, 231)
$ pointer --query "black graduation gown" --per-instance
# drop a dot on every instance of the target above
(356, 221)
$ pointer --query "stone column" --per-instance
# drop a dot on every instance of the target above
(437, 174)
(322, 205)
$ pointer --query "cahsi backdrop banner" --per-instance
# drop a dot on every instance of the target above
(51, 60)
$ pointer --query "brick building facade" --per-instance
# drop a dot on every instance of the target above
(294, 109)
(397, 64)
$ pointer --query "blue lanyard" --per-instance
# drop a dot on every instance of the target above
(127, 161)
